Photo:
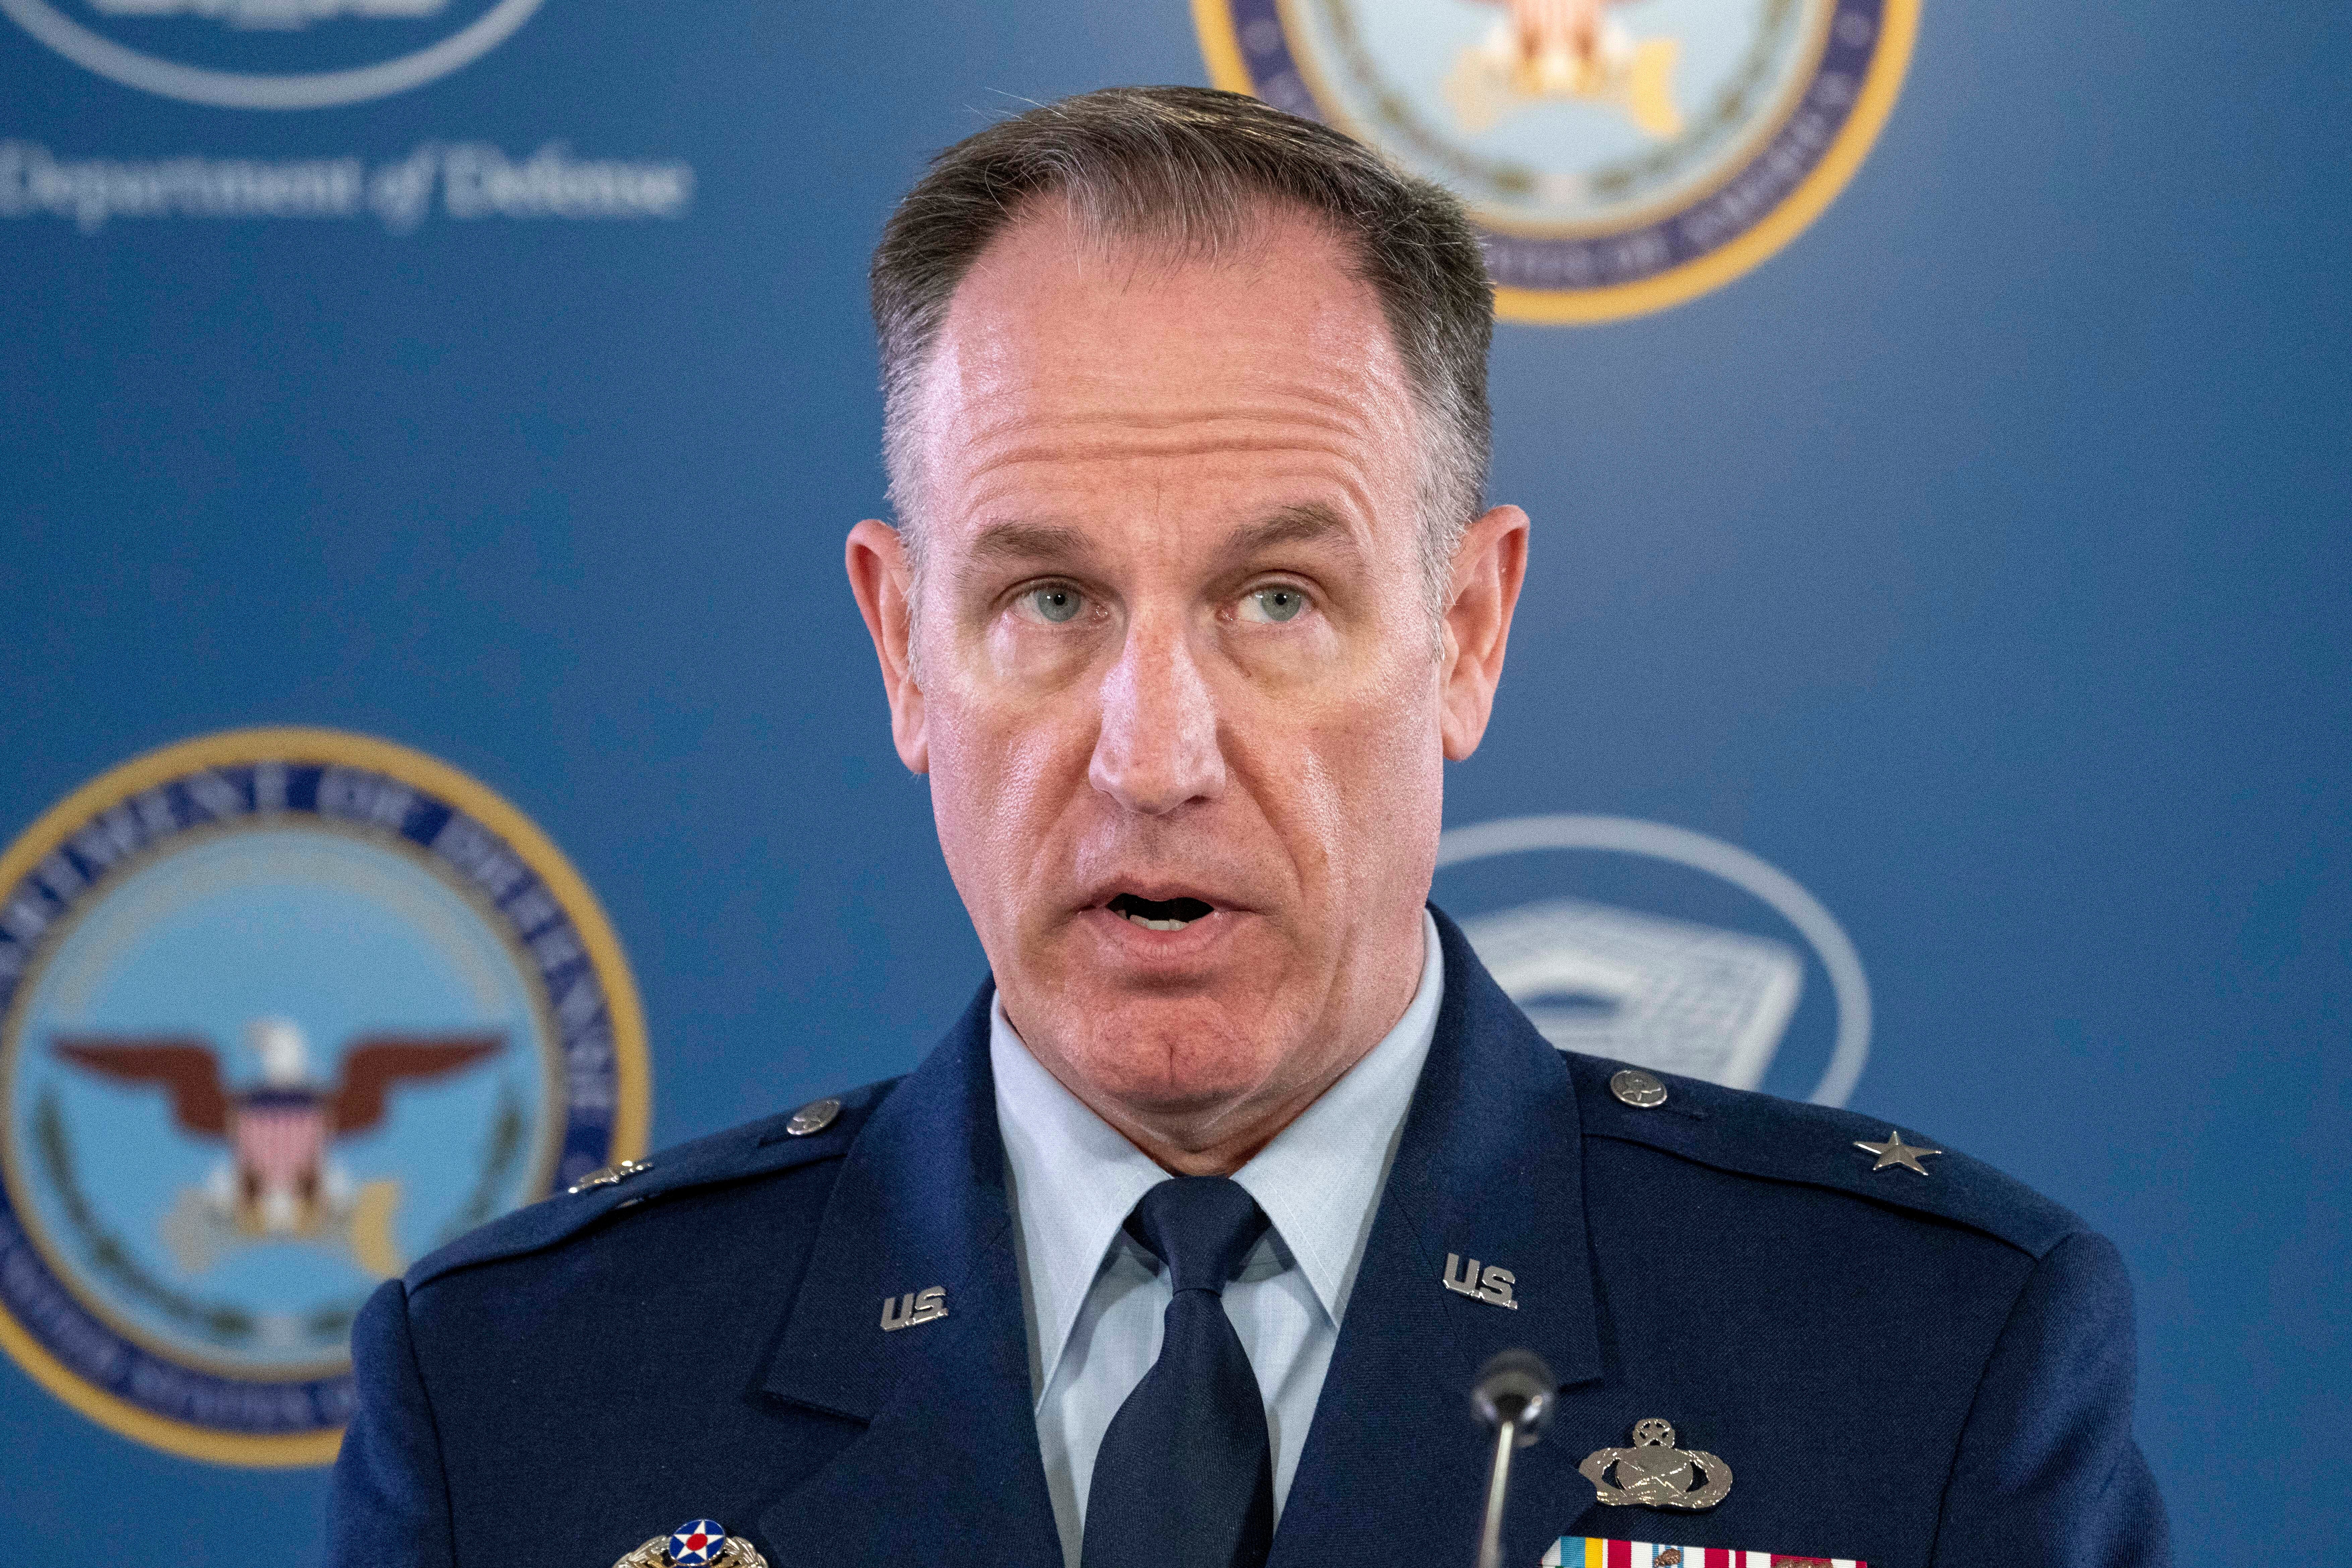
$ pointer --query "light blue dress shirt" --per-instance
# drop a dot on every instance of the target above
(1095, 1300)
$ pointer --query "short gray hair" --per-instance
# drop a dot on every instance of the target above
(1196, 169)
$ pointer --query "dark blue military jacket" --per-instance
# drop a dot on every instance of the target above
(1910, 1370)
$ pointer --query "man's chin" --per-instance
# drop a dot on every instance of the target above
(1171, 1059)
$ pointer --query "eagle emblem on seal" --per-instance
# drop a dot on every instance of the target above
(279, 1180)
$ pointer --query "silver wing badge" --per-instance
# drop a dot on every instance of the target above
(1653, 1473)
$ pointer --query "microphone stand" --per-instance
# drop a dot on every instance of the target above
(1514, 1395)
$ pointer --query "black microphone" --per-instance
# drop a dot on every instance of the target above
(1514, 1395)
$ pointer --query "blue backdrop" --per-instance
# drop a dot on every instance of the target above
(1981, 561)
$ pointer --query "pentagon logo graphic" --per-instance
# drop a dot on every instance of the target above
(1656, 945)
(1619, 155)
(271, 54)
(280, 1012)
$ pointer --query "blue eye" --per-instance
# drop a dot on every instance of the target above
(1277, 603)
(1056, 603)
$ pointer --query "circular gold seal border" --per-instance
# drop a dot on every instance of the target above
(633, 1116)
(1221, 47)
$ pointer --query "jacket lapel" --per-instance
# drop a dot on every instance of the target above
(1489, 1167)
(948, 1466)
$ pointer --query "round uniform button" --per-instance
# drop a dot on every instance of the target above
(1637, 1088)
(814, 1117)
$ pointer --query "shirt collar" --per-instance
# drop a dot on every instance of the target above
(1319, 1180)
(1075, 1178)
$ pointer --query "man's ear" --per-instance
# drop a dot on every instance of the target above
(1488, 567)
(882, 580)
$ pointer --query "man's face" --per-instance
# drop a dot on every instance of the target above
(1174, 676)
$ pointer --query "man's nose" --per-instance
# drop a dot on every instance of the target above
(1156, 746)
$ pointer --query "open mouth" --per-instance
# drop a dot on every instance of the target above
(1160, 914)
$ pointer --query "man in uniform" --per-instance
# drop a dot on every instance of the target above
(1186, 1244)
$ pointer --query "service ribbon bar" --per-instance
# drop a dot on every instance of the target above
(1590, 1552)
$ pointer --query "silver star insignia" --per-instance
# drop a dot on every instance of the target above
(1894, 1152)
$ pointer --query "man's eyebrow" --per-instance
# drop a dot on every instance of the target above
(1018, 541)
(1310, 522)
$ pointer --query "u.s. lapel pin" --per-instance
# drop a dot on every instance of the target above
(914, 1307)
(1491, 1285)
(1653, 1473)
(697, 1543)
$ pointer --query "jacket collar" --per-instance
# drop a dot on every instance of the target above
(1489, 1168)
(948, 1465)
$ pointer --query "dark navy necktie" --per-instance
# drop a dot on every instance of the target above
(1185, 1476)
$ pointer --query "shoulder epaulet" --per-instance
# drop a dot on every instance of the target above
(1777, 1139)
(820, 1130)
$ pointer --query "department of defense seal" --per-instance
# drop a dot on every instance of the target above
(1619, 155)
(280, 1011)
(272, 53)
